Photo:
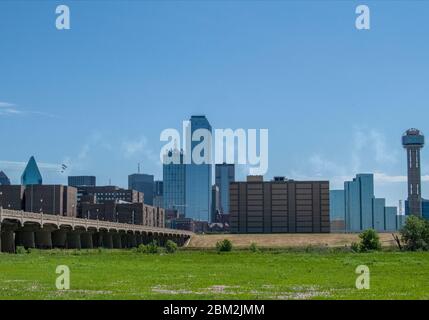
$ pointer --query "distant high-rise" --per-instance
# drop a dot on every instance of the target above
(215, 202)
(82, 181)
(174, 182)
(198, 176)
(31, 174)
(158, 193)
(225, 174)
(413, 140)
(4, 180)
(143, 183)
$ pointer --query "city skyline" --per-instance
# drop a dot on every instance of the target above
(330, 116)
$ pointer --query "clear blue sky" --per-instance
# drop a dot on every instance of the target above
(335, 100)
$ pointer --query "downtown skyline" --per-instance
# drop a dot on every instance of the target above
(102, 92)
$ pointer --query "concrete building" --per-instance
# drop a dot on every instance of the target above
(51, 199)
(109, 193)
(80, 181)
(413, 140)
(4, 180)
(356, 209)
(31, 174)
(12, 197)
(143, 183)
(280, 206)
(224, 175)
(198, 176)
(47, 199)
(131, 213)
(425, 208)
(174, 181)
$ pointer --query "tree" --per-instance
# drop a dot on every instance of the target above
(415, 234)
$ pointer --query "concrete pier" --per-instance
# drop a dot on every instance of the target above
(86, 240)
(43, 239)
(117, 243)
(73, 240)
(7, 240)
(107, 241)
(59, 238)
(25, 238)
(131, 240)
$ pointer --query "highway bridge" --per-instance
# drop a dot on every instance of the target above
(46, 231)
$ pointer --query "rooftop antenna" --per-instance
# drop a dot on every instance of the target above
(138, 167)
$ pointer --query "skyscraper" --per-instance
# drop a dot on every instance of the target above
(4, 180)
(413, 140)
(198, 176)
(143, 183)
(31, 174)
(359, 194)
(225, 174)
(174, 182)
(80, 181)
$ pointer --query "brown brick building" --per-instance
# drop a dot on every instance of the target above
(279, 206)
(51, 199)
(12, 197)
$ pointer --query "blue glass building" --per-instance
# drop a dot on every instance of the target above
(4, 180)
(224, 175)
(174, 182)
(337, 210)
(198, 176)
(31, 174)
(357, 209)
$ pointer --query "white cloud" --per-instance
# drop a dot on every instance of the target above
(7, 108)
(140, 147)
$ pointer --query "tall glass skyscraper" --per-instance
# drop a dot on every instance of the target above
(198, 176)
(225, 174)
(174, 182)
(31, 174)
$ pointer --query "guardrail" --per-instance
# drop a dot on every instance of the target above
(58, 220)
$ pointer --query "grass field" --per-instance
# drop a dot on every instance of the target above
(190, 274)
(284, 240)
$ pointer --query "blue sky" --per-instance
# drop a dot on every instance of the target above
(335, 100)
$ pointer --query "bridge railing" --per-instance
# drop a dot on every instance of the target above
(58, 220)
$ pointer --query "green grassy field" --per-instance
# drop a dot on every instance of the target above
(208, 275)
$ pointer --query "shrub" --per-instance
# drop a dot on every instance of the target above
(20, 250)
(354, 247)
(152, 247)
(369, 241)
(415, 234)
(141, 248)
(253, 247)
(224, 246)
(171, 246)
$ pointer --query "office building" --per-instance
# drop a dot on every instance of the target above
(198, 176)
(143, 183)
(51, 199)
(31, 174)
(47, 199)
(12, 197)
(174, 182)
(158, 194)
(356, 209)
(82, 181)
(337, 210)
(4, 180)
(279, 206)
(131, 213)
(425, 208)
(413, 140)
(224, 175)
(215, 203)
(101, 194)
